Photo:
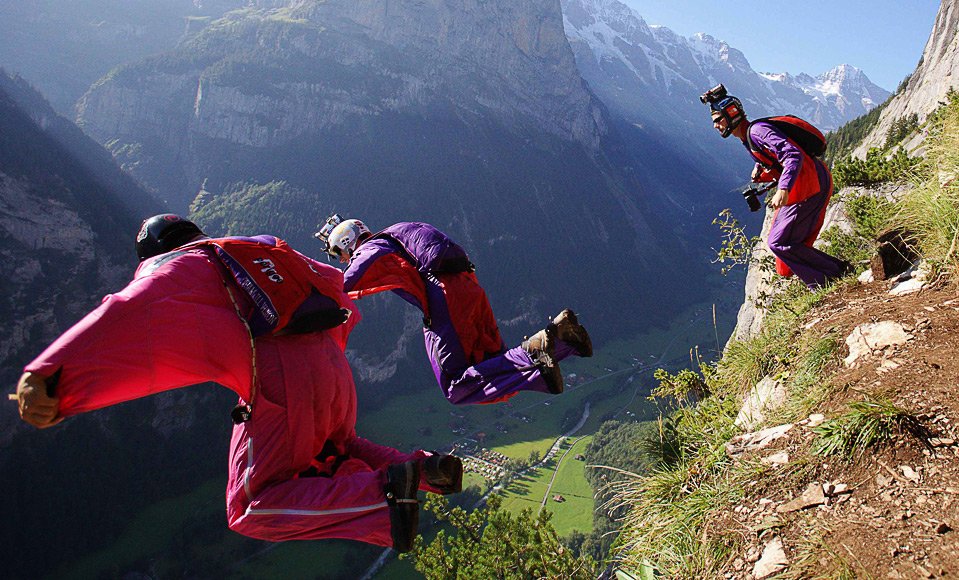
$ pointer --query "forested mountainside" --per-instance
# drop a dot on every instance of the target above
(68, 217)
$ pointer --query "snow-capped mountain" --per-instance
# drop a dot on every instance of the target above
(631, 65)
(840, 95)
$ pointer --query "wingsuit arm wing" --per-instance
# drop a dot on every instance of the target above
(171, 328)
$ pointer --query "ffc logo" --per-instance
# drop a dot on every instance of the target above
(269, 268)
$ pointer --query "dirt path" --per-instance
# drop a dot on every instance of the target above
(899, 512)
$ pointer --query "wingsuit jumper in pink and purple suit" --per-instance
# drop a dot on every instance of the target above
(426, 268)
(297, 469)
(796, 225)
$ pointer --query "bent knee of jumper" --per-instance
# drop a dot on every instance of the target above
(779, 247)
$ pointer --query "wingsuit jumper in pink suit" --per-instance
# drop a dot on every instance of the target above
(297, 469)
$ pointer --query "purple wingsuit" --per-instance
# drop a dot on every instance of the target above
(427, 269)
(796, 225)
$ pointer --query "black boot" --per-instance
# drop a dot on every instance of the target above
(542, 349)
(570, 331)
(444, 472)
(403, 479)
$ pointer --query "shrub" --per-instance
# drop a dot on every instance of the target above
(877, 167)
(869, 216)
(867, 423)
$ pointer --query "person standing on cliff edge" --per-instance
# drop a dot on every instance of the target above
(785, 149)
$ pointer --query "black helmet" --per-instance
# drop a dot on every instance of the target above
(730, 109)
(725, 106)
(162, 233)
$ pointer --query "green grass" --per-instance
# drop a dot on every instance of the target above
(931, 208)
(151, 528)
(476, 479)
(522, 449)
(308, 560)
(399, 569)
(576, 512)
(807, 386)
(867, 423)
(154, 533)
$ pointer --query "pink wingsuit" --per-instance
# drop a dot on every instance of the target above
(297, 468)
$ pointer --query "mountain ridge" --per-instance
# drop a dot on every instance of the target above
(668, 64)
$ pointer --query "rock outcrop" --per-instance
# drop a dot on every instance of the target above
(936, 74)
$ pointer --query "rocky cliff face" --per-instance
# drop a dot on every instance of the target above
(468, 114)
(66, 221)
(265, 77)
(936, 73)
(63, 47)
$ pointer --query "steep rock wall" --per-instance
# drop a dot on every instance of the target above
(936, 74)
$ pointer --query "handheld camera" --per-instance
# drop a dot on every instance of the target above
(752, 191)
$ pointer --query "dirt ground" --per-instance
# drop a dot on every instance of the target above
(898, 516)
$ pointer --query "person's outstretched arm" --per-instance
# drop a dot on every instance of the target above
(171, 328)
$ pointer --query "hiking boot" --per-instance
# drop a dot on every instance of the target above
(570, 331)
(403, 479)
(444, 472)
(542, 349)
(848, 268)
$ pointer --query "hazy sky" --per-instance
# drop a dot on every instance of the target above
(884, 38)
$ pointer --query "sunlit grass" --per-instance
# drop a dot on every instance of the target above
(867, 423)
(931, 209)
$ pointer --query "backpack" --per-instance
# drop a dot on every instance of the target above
(429, 249)
(278, 281)
(801, 132)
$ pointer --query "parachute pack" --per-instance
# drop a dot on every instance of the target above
(799, 131)
(437, 253)
(279, 281)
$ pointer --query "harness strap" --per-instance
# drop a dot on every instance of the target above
(242, 413)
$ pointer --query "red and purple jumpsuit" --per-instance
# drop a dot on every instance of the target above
(796, 225)
(297, 469)
(424, 267)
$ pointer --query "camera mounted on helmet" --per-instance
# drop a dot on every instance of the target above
(713, 95)
(324, 233)
(724, 106)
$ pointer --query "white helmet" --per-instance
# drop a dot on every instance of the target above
(345, 237)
